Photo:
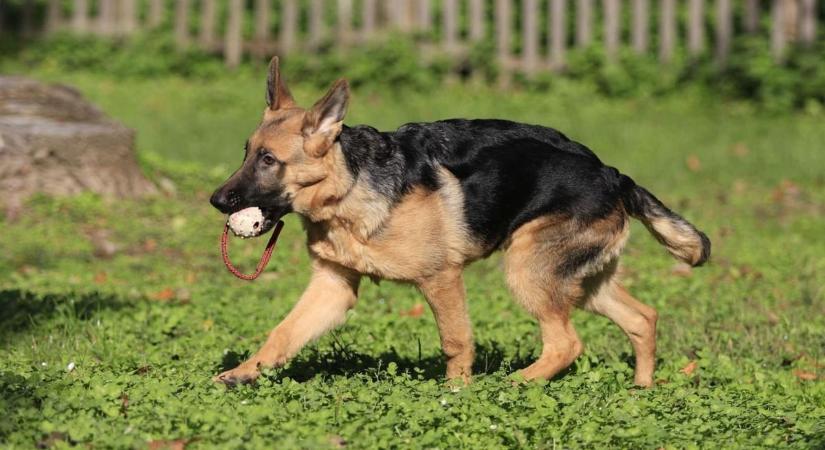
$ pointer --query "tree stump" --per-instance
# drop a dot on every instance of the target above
(54, 141)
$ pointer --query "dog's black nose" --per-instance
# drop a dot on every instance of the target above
(221, 201)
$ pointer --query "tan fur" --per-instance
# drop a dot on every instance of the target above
(420, 236)
(606, 296)
(444, 292)
(679, 239)
(331, 292)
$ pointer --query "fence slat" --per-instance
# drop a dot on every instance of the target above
(530, 37)
(503, 17)
(779, 38)
(233, 43)
(751, 16)
(641, 9)
(584, 22)
(27, 19)
(401, 15)
(156, 13)
(316, 23)
(182, 23)
(450, 18)
(477, 20)
(53, 16)
(289, 23)
(611, 29)
(206, 36)
(368, 15)
(724, 31)
(106, 17)
(558, 34)
(423, 15)
(80, 12)
(807, 21)
(128, 16)
(696, 27)
(667, 30)
(345, 21)
(262, 13)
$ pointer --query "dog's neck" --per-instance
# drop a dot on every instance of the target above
(352, 198)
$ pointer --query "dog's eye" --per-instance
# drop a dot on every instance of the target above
(269, 159)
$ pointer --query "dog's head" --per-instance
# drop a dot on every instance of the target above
(292, 161)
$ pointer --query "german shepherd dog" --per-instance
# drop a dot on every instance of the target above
(419, 204)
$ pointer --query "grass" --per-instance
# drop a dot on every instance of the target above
(119, 352)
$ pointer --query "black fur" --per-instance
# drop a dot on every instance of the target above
(510, 173)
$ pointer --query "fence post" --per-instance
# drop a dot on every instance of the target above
(751, 16)
(206, 36)
(641, 11)
(316, 23)
(779, 39)
(423, 15)
(28, 19)
(611, 29)
(128, 16)
(344, 21)
(503, 16)
(450, 25)
(724, 28)
(106, 17)
(400, 15)
(156, 13)
(696, 27)
(667, 30)
(182, 23)
(233, 39)
(558, 34)
(53, 16)
(80, 11)
(584, 22)
(262, 30)
(289, 17)
(807, 21)
(368, 14)
(530, 38)
(476, 20)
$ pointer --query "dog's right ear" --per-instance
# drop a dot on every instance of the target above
(277, 94)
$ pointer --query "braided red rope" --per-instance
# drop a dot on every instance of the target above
(270, 247)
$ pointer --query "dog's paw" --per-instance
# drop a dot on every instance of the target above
(243, 374)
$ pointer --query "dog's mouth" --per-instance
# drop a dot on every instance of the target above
(254, 221)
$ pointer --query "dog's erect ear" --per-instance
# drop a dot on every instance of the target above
(323, 122)
(277, 94)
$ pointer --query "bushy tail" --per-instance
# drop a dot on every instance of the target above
(678, 235)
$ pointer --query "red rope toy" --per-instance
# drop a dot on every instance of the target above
(270, 247)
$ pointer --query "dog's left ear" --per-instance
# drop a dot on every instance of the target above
(324, 121)
(277, 94)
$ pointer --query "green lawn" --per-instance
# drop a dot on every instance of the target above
(146, 330)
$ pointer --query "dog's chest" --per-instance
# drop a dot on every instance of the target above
(419, 238)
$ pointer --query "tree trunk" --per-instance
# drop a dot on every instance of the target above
(53, 141)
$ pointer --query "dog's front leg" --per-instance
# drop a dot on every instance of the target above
(331, 293)
(445, 294)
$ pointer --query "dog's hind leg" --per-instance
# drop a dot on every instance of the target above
(446, 296)
(548, 296)
(331, 292)
(636, 319)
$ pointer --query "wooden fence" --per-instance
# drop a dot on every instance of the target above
(529, 35)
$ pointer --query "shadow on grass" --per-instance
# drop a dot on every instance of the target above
(23, 310)
(490, 358)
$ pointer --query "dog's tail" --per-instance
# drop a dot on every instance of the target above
(678, 235)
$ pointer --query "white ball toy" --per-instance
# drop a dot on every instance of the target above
(247, 222)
